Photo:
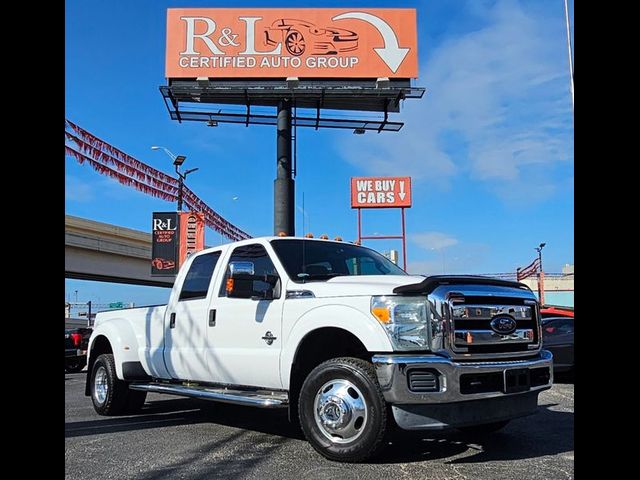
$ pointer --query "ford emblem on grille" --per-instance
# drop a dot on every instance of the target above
(503, 325)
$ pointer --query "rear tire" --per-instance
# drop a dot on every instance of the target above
(342, 411)
(108, 393)
(485, 428)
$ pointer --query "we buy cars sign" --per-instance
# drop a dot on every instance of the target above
(291, 42)
(380, 192)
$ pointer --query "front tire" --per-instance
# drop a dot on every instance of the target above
(342, 411)
(108, 393)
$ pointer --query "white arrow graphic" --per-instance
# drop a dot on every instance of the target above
(391, 54)
(402, 194)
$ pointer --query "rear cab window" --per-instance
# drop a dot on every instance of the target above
(196, 282)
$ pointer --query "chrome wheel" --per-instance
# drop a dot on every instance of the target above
(340, 411)
(101, 385)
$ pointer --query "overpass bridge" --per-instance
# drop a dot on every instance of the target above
(108, 253)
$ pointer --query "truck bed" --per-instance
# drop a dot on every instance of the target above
(142, 329)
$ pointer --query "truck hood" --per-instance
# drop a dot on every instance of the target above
(357, 285)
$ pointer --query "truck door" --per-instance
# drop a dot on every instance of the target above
(246, 340)
(186, 321)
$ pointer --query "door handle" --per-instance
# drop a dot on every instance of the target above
(212, 318)
(172, 320)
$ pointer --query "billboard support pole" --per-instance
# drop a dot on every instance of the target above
(404, 243)
(359, 226)
(284, 185)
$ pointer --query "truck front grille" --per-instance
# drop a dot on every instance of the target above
(471, 325)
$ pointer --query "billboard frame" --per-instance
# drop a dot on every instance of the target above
(402, 237)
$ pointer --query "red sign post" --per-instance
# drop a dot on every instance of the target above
(382, 192)
(191, 234)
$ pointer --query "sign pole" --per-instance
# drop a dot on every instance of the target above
(404, 243)
(359, 226)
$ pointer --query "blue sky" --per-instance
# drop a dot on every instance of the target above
(489, 147)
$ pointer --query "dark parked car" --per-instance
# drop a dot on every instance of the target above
(76, 341)
(557, 336)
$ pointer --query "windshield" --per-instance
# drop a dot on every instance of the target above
(306, 260)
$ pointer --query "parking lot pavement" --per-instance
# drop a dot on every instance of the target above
(182, 438)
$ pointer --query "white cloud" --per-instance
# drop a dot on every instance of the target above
(433, 240)
(497, 108)
(77, 190)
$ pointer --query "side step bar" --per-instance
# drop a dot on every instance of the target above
(237, 397)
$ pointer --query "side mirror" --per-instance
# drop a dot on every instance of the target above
(241, 268)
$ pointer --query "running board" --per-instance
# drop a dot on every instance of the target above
(237, 397)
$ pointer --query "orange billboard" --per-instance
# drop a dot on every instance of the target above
(380, 192)
(291, 42)
(191, 234)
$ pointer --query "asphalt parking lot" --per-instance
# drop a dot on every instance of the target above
(183, 438)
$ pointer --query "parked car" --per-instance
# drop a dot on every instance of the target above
(76, 341)
(547, 311)
(334, 332)
(557, 337)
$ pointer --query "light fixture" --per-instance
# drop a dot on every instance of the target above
(382, 82)
(179, 160)
(212, 123)
(358, 131)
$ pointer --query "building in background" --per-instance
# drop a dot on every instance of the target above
(558, 287)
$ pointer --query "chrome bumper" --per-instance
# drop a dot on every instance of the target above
(392, 373)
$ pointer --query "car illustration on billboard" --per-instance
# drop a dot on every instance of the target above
(299, 37)
(163, 264)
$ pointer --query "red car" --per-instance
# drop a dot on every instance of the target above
(555, 311)
(300, 36)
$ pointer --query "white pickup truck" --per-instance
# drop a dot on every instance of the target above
(336, 333)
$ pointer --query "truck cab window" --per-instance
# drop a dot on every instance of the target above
(198, 278)
(262, 264)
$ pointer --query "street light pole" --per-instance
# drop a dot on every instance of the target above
(180, 187)
(178, 160)
(540, 273)
(539, 250)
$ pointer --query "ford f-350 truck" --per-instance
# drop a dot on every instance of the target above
(336, 333)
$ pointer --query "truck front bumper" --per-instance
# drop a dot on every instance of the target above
(435, 392)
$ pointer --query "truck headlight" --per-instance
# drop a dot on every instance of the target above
(404, 319)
